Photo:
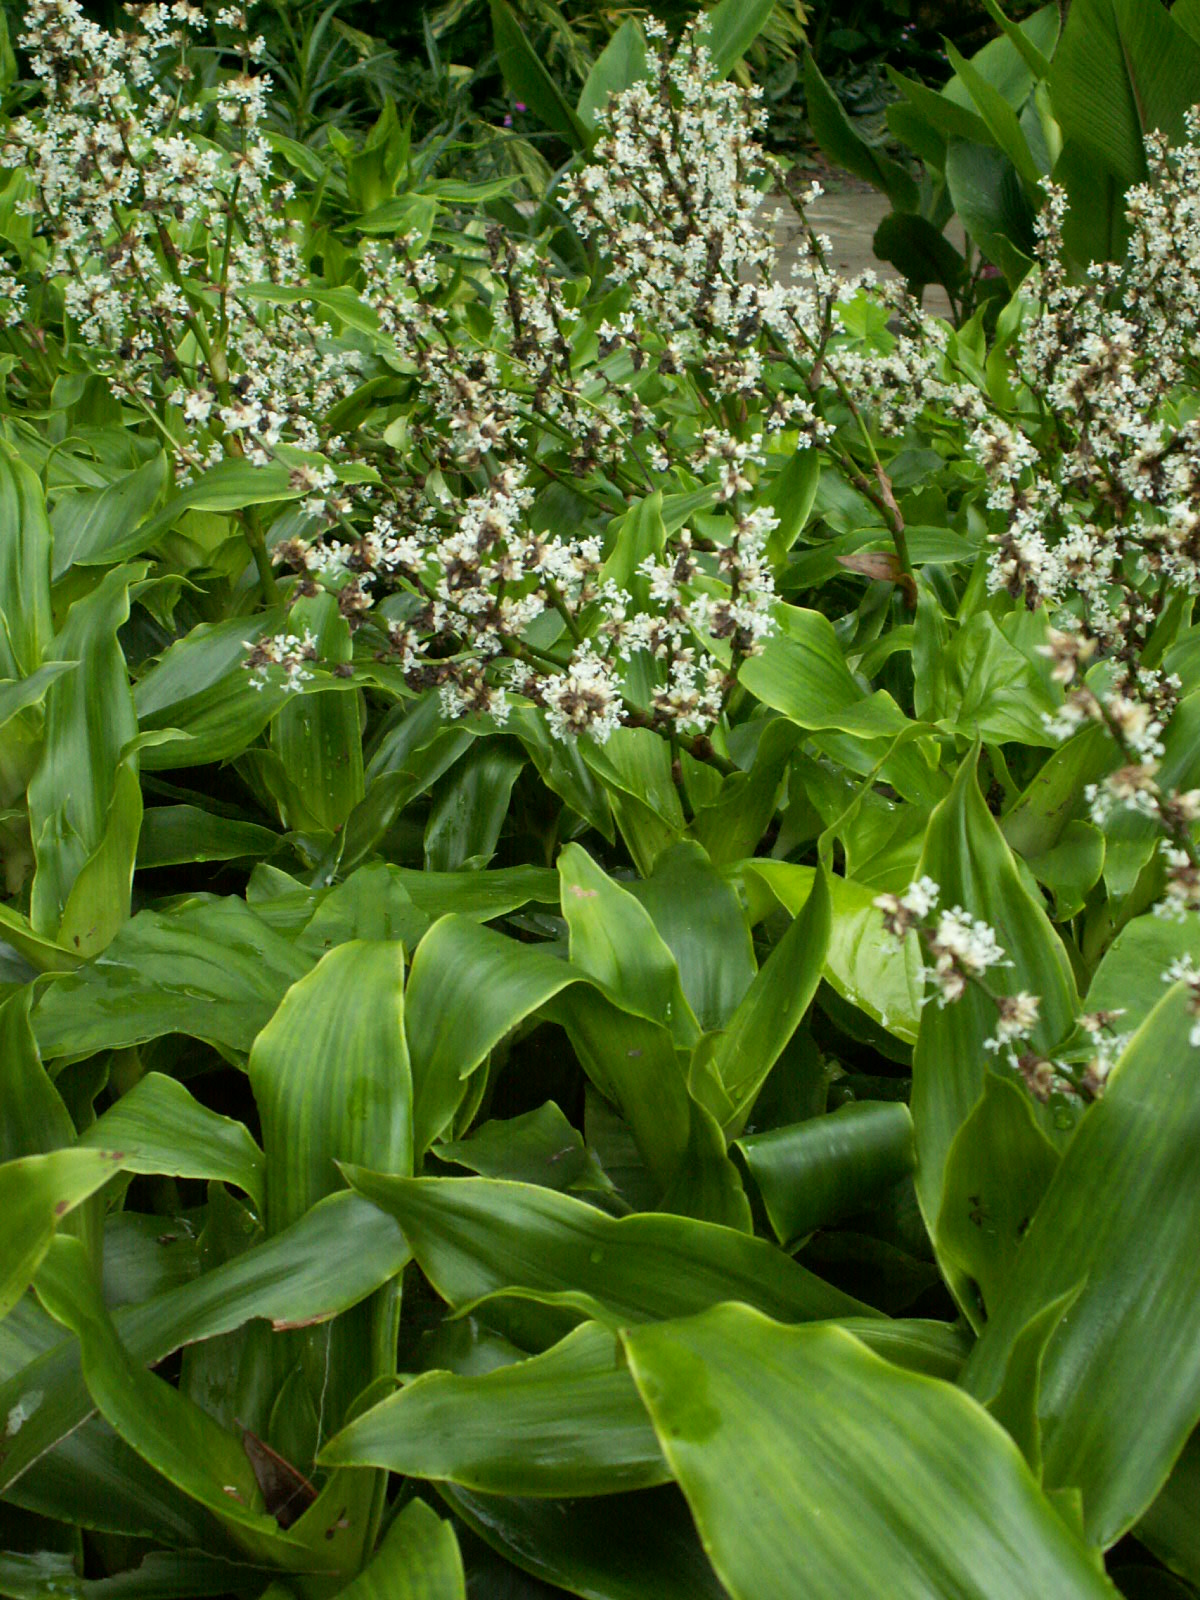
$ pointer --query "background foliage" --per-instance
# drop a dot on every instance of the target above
(428, 1143)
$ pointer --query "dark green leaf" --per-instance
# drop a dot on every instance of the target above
(812, 1466)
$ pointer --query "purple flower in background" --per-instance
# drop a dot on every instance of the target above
(518, 105)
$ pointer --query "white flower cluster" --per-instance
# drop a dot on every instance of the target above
(1184, 970)
(155, 231)
(287, 650)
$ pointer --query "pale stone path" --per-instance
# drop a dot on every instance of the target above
(849, 212)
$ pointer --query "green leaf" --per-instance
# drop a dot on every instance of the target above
(801, 671)
(36, 1192)
(634, 765)
(529, 81)
(26, 624)
(1025, 47)
(480, 896)
(570, 1543)
(210, 969)
(813, 1466)
(418, 1560)
(474, 1236)
(988, 195)
(965, 854)
(999, 116)
(1130, 977)
(862, 963)
(159, 1127)
(817, 1172)
(732, 27)
(84, 800)
(468, 987)
(620, 65)
(1120, 1385)
(614, 941)
(569, 1422)
(697, 914)
(1122, 70)
(791, 498)
(201, 686)
(774, 1004)
(540, 1147)
(331, 1078)
(1169, 1527)
(919, 251)
(174, 1435)
(317, 735)
(846, 147)
(1015, 1404)
(294, 1279)
(997, 1170)
(173, 835)
(470, 806)
(97, 527)
(34, 1119)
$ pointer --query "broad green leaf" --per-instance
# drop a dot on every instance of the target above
(1071, 868)
(473, 1236)
(1015, 1404)
(1025, 46)
(370, 904)
(997, 1170)
(1000, 117)
(173, 835)
(732, 27)
(468, 987)
(418, 1560)
(697, 914)
(920, 252)
(571, 1543)
(34, 1119)
(296, 1278)
(620, 65)
(211, 969)
(341, 300)
(1132, 973)
(733, 825)
(1037, 820)
(27, 626)
(331, 1078)
(1169, 1527)
(96, 527)
(813, 1466)
(816, 1172)
(159, 1127)
(201, 687)
(801, 671)
(36, 1192)
(990, 199)
(635, 1064)
(84, 794)
(965, 854)
(614, 941)
(774, 1004)
(862, 964)
(567, 1423)
(846, 147)
(540, 1147)
(169, 1431)
(528, 79)
(470, 805)
(791, 498)
(481, 896)
(317, 735)
(1122, 70)
(1120, 1389)
(634, 764)
(639, 535)
(161, 1575)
